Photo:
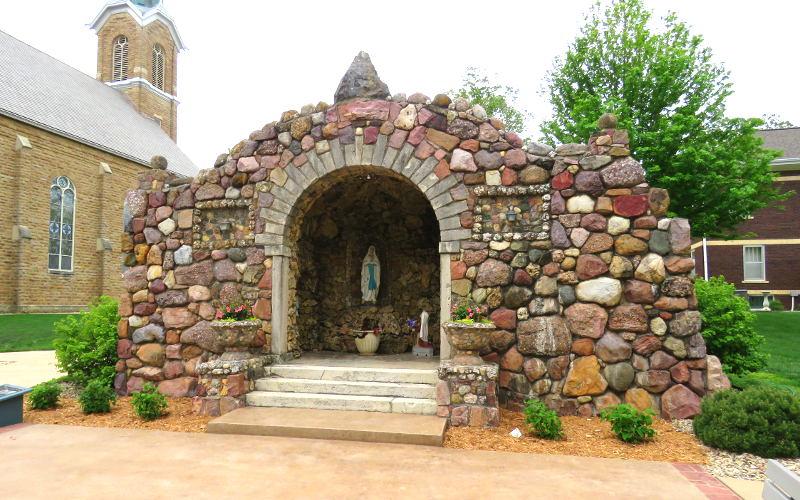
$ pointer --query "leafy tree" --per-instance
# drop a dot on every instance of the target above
(775, 121)
(497, 100)
(666, 90)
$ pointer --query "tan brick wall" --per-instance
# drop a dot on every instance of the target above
(140, 46)
(25, 178)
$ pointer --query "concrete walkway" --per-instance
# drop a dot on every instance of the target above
(47, 461)
(28, 368)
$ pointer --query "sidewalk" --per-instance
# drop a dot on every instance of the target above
(28, 368)
(47, 461)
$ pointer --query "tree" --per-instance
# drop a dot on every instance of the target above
(497, 100)
(773, 120)
(666, 90)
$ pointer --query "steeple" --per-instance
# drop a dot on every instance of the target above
(137, 53)
(361, 82)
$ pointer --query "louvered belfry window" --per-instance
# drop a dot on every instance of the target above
(158, 66)
(119, 62)
(62, 224)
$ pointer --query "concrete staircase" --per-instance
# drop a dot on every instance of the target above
(375, 389)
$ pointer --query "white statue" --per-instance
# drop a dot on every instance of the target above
(423, 327)
(370, 276)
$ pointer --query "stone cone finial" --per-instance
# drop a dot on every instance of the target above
(361, 82)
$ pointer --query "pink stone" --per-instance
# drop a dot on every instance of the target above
(270, 161)
(424, 150)
(679, 402)
(522, 278)
(173, 369)
(397, 138)
(562, 180)
(424, 115)
(462, 161)
(237, 385)
(631, 205)
(178, 317)
(248, 164)
(371, 135)
(589, 266)
(134, 384)
(458, 269)
(628, 317)
(680, 373)
(459, 416)
(442, 393)
(512, 360)
(124, 348)
(509, 177)
(513, 139)
(416, 135)
(487, 133)
(504, 319)
(173, 351)
(586, 320)
(680, 236)
(515, 158)
(647, 344)
(370, 110)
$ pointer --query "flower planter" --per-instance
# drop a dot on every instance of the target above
(236, 337)
(467, 340)
(11, 404)
(368, 344)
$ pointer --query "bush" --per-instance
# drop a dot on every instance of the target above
(97, 397)
(44, 395)
(729, 327)
(542, 420)
(86, 345)
(148, 403)
(763, 421)
(629, 424)
(776, 305)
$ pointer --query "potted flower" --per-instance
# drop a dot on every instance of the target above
(468, 332)
(236, 327)
(368, 338)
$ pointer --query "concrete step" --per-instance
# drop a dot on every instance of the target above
(326, 424)
(278, 384)
(385, 404)
(355, 374)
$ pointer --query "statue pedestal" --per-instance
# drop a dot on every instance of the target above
(423, 352)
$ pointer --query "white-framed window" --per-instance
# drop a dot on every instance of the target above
(158, 66)
(753, 257)
(119, 59)
(62, 224)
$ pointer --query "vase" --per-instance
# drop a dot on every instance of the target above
(368, 344)
(467, 340)
(236, 337)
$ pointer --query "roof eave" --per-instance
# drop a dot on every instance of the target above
(155, 14)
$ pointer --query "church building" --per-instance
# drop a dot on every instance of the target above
(70, 147)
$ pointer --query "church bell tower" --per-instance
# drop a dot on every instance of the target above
(137, 54)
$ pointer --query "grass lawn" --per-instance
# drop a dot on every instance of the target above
(782, 331)
(27, 332)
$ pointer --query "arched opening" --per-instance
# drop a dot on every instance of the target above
(337, 219)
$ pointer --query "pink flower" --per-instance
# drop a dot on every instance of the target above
(219, 314)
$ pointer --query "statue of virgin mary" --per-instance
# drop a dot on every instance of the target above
(370, 276)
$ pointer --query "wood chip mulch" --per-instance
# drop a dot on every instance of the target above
(586, 437)
(179, 417)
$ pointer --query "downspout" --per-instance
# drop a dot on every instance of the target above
(705, 259)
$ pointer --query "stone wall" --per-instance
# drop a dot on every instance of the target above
(588, 282)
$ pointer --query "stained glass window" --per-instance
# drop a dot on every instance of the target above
(62, 224)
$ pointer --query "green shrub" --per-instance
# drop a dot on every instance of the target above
(86, 345)
(776, 305)
(148, 403)
(44, 395)
(629, 424)
(542, 420)
(729, 327)
(760, 420)
(97, 397)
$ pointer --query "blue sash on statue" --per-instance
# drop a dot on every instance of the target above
(372, 285)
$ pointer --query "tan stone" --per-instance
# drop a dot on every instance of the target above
(638, 398)
(584, 378)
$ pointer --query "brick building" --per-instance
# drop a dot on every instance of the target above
(765, 265)
(71, 145)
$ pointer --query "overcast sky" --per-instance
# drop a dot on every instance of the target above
(249, 60)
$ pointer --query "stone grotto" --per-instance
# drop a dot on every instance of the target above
(588, 281)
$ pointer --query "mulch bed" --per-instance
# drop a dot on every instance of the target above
(179, 417)
(587, 437)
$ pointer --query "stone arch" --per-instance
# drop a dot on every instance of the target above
(445, 192)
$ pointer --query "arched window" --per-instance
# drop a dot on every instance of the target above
(119, 59)
(62, 224)
(158, 66)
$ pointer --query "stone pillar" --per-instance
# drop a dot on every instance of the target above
(444, 303)
(468, 394)
(105, 257)
(23, 163)
(280, 303)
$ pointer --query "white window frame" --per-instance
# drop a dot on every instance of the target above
(119, 59)
(159, 64)
(60, 268)
(751, 279)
